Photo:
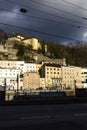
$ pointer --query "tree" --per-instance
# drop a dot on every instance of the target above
(21, 51)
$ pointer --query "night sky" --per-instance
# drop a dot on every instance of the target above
(53, 20)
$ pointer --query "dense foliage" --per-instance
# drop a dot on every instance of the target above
(75, 53)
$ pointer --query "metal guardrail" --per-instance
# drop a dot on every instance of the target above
(10, 94)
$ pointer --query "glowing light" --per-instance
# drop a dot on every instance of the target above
(85, 36)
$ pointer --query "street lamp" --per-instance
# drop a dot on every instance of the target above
(17, 84)
(75, 83)
(4, 88)
(5, 84)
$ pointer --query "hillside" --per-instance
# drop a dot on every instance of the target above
(75, 54)
(30, 49)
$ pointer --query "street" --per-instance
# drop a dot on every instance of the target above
(44, 117)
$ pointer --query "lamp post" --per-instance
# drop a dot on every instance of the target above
(4, 88)
(75, 86)
(17, 84)
(5, 84)
(75, 83)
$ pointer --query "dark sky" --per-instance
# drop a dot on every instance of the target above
(53, 20)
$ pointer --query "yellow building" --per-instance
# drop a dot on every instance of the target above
(33, 42)
(31, 80)
(71, 76)
(38, 67)
(27, 41)
(63, 77)
(52, 74)
(78, 77)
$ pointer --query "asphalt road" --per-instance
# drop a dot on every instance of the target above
(44, 117)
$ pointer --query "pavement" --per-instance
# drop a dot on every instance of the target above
(44, 117)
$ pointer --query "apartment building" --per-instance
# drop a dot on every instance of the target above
(52, 74)
(31, 80)
(20, 65)
(9, 76)
(84, 77)
(7, 64)
(29, 67)
(71, 77)
(8, 69)
(13, 64)
(78, 77)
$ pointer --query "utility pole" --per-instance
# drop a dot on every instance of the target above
(75, 86)
(75, 83)
(17, 84)
(5, 84)
(4, 88)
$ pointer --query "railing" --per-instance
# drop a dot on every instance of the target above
(11, 94)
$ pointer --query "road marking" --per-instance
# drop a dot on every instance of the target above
(81, 114)
(35, 117)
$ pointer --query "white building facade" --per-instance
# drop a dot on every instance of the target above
(71, 77)
(8, 77)
(13, 64)
(84, 77)
(30, 67)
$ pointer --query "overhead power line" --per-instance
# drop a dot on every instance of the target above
(71, 4)
(74, 5)
(53, 15)
(82, 17)
(37, 17)
(68, 2)
(41, 32)
(46, 20)
(55, 8)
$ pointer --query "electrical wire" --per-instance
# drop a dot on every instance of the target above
(82, 17)
(56, 8)
(68, 2)
(41, 32)
(61, 17)
(46, 20)
(74, 5)
(77, 26)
